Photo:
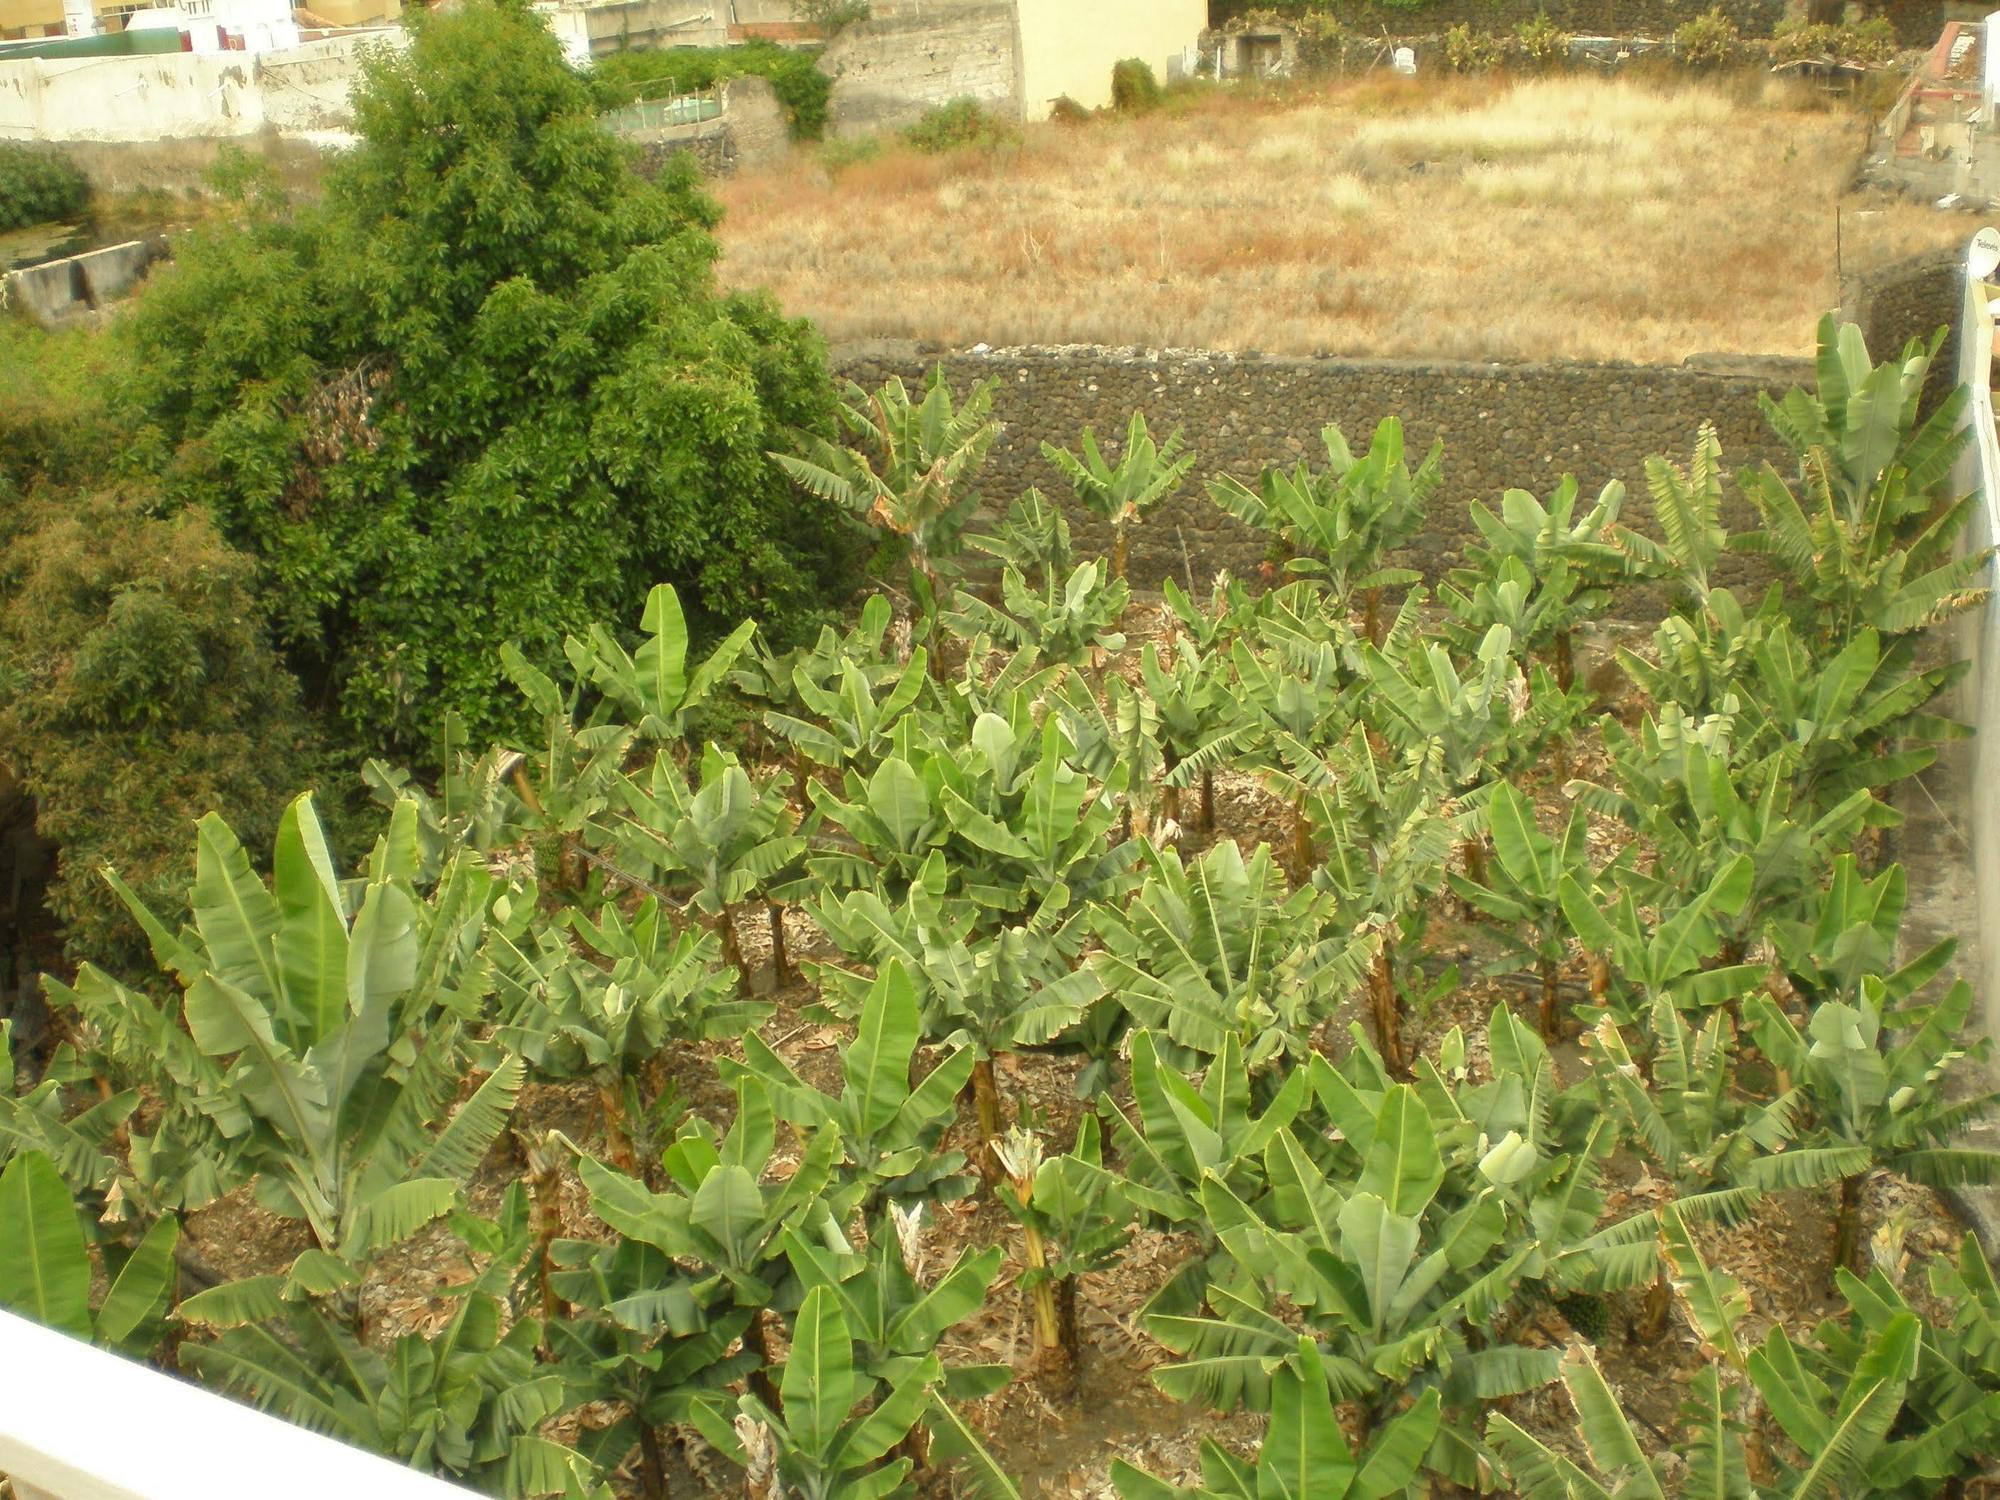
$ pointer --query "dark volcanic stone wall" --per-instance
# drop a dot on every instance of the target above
(1503, 426)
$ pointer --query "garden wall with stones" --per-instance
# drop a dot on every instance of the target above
(1912, 299)
(1652, 18)
(1503, 426)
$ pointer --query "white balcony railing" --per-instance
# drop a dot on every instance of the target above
(1979, 475)
(77, 1423)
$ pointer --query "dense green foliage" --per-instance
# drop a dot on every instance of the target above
(977, 811)
(1135, 88)
(625, 75)
(38, 186)
(485, 390)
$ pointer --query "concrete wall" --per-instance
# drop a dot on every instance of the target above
(184, 95)
(1502, 425)
(889, 70)
(1070, 49)
(750, 132)
(57, 291)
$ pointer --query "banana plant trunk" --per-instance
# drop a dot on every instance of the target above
(757, 1339)
(1120, 537)
(652, 1462)
(1473, 852)
(986, 1103)
(1388, 1023)
(781, 966)
(1651, 1324)
(1565, 661)
(617, 1139)
(1847, 1225)
(732, 950)
(1552, 1024)
(1302, 844)
(1069, 1329)
(1049, 1348)
(1371, 616)
(1170, 795)
(1208, 801)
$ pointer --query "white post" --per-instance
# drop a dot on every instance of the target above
(1990, 70)
(1978, 474)
(79, 19)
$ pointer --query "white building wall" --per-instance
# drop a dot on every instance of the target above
(1068, 47)
(182, 94)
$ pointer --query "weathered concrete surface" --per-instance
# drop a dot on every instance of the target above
(59, 291)
(1934, 846)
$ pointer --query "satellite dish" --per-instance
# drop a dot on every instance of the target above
(1984, 256)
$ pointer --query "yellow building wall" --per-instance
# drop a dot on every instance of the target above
(1069, 46)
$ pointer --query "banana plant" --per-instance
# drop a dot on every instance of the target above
(1069, 619)
(1636, 960)
(563, 787)
(1873, 540)
(467, 1402)
(1845, 1436)
(853, 717)
(1685, 789)
(1387, 1271)
(720, 1222)
(1389, 835)
(1212, 627)
(1700, 655)
(1032, 538)
(1023, 827)
(472, 808)
(1121, 730)
(1541, 610)
(571, 1017)
(897, 1322)
(831, 1434)
(39, 1119)
(652, 689)
(1522, 892)
(1147, 474)
(1341, 523)
(1872, 1073)
(330, 1015)
(1854, 720)
(888, 1129)
(1222, 950)
(46, 1271)
(994, 992)
(732, 838)
(1953, 1400)
(1191, 699)
(1541, 536)
(1075, 1217)
(909, 472)
(637, 1333)
(1687, 504)
(1847, 933)
(1305, 1453)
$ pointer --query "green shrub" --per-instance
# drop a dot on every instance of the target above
(962, 125)
(1543, 43)
(38, 187)
(1469, 51)
(1134, 87)
(485, 391)
(1707, 41)
(137, 692)
(831, 16)
(1869, 41)
(1066, 111)
(793, 73)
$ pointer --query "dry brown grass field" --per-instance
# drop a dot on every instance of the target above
(1475, 219)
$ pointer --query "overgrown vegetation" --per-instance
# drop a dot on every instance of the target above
(1706, 41)
(793, 73)
(1872, 40)
(1135, 88)
(38, 186)
(961, 125)
(430, 409)
(969, 803)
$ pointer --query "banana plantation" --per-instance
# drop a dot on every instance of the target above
(1130, 943)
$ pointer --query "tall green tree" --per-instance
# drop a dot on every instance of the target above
(487, 389)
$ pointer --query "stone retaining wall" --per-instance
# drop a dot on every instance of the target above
(1502, 426)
